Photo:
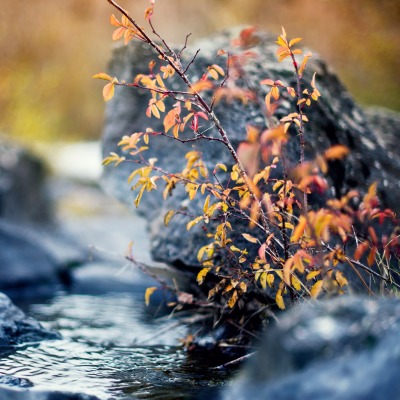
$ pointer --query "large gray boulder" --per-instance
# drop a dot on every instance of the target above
(346, 349)
(334, 119)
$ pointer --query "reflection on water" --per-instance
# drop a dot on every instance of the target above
(111, 349)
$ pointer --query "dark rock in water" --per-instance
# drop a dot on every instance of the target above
(23, 259)
(334, 119)
(23, 195)
(11, 380)
(9, 393)
(17, 328)
(34, 260)
(347, 349)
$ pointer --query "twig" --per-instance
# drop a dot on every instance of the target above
(235, 362)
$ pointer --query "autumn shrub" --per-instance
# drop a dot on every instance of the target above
(294, 249)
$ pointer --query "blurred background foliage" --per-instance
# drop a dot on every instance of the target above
(50, 50)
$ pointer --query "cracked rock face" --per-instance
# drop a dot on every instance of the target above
(334, 119)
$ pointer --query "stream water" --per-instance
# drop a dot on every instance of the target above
(111, 348)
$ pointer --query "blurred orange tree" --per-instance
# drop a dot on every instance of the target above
(48, 56)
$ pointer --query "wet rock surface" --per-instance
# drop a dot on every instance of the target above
(334, 119)
(16, 328)
(346, 348)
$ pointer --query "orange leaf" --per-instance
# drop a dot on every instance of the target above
(232, 301)
(360, 250)
(250, 238)
(294, 41)
(201, 85)
(287, 267)
(108, 91)
(336, 152)
(299, 230)
(268, 82)
(248, 155)
(114, 21)
(274, 134)
(371, 255)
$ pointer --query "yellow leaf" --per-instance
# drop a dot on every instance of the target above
(294, 41)
(206, 204)
(213, 73)
(316, 289)
(193, 222)
(103, 76)
(250, 238)
(108, 91)
(243, 287)
(232, 301)
(312, 274)
(234, 175)
(304, 63)
(286, 225)
(218, 69)
(168, 216)
(299, 230)
(263, 280)
(133, 174)
(234, 248)
(341, 280)
(160, 105)
(201, 275)
(279, 300)
(296, 283)
(160, 81)
(270, 279)
(139, 196)
(155, 111)
(277, 185)
(175, 131)
(148, 293)
(113, 157)
(192, 192)
(222, 166)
